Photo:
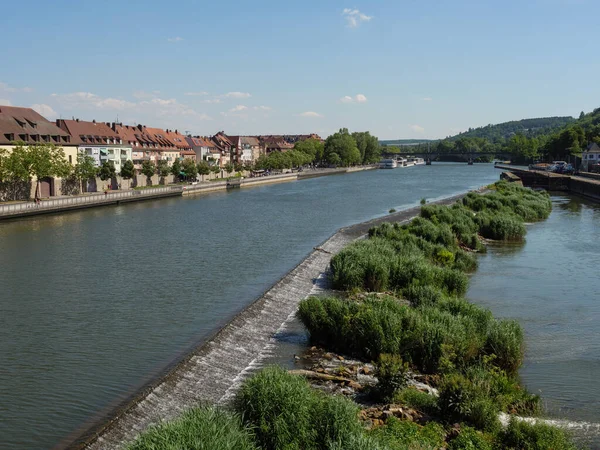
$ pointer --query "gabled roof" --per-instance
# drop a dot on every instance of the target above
(25, 124)
(87, 132)
(178, 139)
(593, 147)
(250, 140)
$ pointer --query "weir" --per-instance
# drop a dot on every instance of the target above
(212, 373)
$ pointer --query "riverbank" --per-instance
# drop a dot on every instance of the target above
(212, 372)
(15, 210)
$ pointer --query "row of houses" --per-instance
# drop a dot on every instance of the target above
(116, 142)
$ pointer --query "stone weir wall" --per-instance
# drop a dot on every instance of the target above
(212, 372)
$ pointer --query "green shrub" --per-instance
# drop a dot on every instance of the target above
(520, 435)
(402, 435)
(204, 428)
(471, 439)
(505, 341)
(503, 227)
(280, 408)
(415, 399)
(392, 375)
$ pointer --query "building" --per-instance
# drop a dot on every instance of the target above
(245, 150)
(164, 149)
(224, 148)
(590, 156)
(98, 140)
(29, 127)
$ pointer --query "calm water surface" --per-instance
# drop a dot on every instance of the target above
(550, 285)
(94, 304)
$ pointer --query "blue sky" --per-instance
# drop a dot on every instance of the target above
(401, 69)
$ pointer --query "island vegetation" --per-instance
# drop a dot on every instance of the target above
(400, 305)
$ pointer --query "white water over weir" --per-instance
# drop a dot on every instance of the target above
(215, 370)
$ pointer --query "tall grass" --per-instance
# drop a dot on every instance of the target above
(203, 428)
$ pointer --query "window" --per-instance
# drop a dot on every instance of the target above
(70, 159)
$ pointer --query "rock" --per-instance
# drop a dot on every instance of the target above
(366, 370)
(296, 357)
(341, 358)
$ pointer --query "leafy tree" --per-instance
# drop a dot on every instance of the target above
(238, 167)
(189, 168)
(368, 147)
(148, 169)
(344, 146)
(163, 169)
(312, 147)
(215, 169)
(14, 169)
(107, 171)
(176, 168)
(128, 170)
(203, 168)
(85, 169)
(228, 168)
(42, 161)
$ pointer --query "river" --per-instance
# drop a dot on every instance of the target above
(96, 303)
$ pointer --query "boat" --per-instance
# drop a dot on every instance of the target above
(388, 164)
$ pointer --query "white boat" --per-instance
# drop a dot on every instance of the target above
(388, 164)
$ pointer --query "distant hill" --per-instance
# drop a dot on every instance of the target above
(528, 127)
(400, 142)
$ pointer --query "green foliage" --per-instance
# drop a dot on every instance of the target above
(415, 399)
(175, 168)
(228, 167)
(402, 435)
(391, 373)
(340, 148)
(85, 168)
(127, 170)
(520, 435)
(148, 168)
(314, 148)
(188, 166)
(203, 168)
(368, 146)
(286, 413)
(392, 210)
(471, 439)
(201, 428)
(107, 171)
(423, 201)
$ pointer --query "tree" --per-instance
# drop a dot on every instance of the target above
(368, 147)
(163, 169)
(176, 169)
(107, 171)
(44, 161)
(215, 169)
(14, 172)
(148, 169)
(128, 170)
(85, 169)
(190, 169)
(228, 168)
(238, 167)
(312, 147)
(203, 169)
(344, 145)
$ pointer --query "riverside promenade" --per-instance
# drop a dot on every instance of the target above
(69, 203)
(214, 370)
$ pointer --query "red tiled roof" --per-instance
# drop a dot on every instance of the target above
(25, 124)
(87, 132)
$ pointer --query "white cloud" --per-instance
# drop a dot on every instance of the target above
(359, 98)
(212, 100)
(262, 108)
(196, 94)
(45, 110)
(354, 17)
(175, 39)
(87, 99)
(4, 87)
(427, 99)
(417, 128)
(310, 114)
(5, 102)
(237, 95)
(142, 95)
(238, 108)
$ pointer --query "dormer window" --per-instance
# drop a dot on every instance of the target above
(20, 122)
(32, 123)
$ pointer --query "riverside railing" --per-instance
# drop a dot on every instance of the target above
(85, 200)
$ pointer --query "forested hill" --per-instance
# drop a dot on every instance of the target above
(527, 127)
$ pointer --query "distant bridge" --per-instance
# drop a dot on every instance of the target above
(434, 156)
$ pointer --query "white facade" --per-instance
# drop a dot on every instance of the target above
(590, 156)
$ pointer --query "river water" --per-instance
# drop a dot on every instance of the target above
(96, 303)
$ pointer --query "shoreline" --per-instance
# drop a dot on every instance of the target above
(60, 205)
(211, 371)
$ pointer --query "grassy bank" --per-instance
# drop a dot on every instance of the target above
(420, 325)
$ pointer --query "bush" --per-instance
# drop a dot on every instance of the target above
(502, 227)
(415, 399)
(280, 408)
(505, 341)
(198, 429)
(520, 435)
(401, 435)
(286, 413)
(471, 439)
(391, 373)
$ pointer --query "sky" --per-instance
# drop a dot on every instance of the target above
(398, 68)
